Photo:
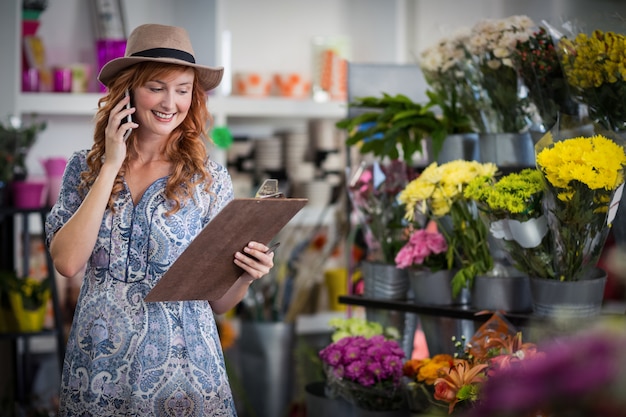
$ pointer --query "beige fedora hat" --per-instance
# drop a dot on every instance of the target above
(160, 43)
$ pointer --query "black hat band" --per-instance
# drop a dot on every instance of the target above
(166, 53)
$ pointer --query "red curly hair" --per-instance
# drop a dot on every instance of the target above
(186, 147)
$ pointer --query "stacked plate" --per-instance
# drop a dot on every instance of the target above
(268, 154)
(296, 152)
(319, 192)
(324, 134)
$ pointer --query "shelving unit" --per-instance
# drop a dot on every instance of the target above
(462, 312)
(22, 341)
(222, 107)
(454, 312)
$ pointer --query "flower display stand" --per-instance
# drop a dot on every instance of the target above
(386, 281)
(434, 289)
(20, 335)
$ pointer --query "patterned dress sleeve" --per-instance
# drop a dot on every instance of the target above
(221, 189)
(69, 197)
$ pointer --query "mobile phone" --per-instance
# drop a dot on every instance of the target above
(128, 118)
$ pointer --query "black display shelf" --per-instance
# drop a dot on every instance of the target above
(21, 340)
(15, 335)
(453, 311)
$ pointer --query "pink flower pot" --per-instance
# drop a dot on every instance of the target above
(29, 194)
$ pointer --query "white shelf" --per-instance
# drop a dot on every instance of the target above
(64, 104)
(58, 104)
(239, 106)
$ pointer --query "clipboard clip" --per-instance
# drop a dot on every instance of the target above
(269, 189)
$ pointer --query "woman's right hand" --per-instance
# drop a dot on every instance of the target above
(115, 145)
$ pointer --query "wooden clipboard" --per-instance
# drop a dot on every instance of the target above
(205, 270)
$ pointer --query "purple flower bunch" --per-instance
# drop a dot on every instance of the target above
(366, 372)
(366, 361)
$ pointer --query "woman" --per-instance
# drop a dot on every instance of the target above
(127, 209)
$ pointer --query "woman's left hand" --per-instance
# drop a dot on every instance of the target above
(256, 260)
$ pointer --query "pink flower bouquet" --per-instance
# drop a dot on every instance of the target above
(425, 248)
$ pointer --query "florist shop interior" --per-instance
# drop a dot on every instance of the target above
(463, 248)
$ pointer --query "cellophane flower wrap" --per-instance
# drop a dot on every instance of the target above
(438, 193)
(452, 81)
(373, 190)
(595, 67)
(492, 44)
(538, 63)
(584, 178)
(365, 371)
(512, 208)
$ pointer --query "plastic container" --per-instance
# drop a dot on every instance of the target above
(29, 194)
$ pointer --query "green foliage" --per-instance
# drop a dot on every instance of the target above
(396, 121)
(15, 142)
(454, 118)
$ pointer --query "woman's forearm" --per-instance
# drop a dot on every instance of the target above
(73, 244)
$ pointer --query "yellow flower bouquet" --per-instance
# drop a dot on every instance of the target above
(595, 67)
(438, 193)
(584, 181)
(511, 206)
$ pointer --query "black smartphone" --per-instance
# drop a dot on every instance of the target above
(128, 118)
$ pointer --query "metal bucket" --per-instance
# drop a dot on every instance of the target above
(508, 293)
(384, 281)
(569, 299)
(507, 150)
(266, 364)
(458, 146)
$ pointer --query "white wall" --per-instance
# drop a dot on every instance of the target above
(275, 35)
(67, 31)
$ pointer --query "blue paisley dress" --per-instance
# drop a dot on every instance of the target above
(126, 357)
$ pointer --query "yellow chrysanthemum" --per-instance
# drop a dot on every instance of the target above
(595, 66)
(596, 162)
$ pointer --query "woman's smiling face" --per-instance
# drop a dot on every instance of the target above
(162, 104)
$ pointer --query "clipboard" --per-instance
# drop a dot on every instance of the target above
(205, 270)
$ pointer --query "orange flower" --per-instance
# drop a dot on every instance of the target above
(459, 382)
(427, 370)
(226, 332)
